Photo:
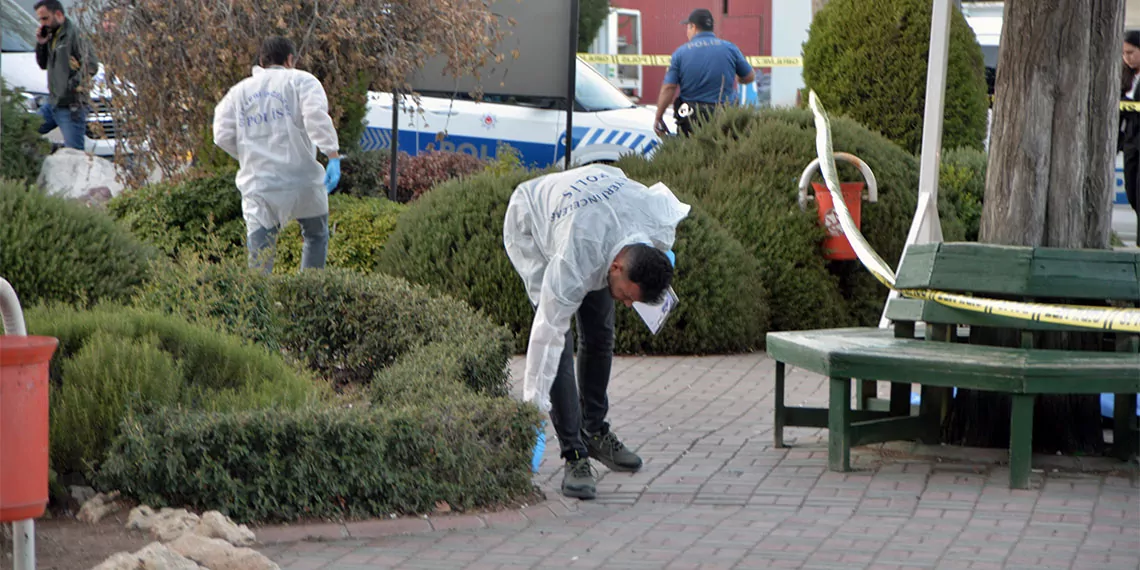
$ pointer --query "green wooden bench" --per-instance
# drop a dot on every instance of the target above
(941, 357)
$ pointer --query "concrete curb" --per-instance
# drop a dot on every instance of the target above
(555, 507)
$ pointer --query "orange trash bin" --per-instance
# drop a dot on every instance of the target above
(836, 246)
(24, 425)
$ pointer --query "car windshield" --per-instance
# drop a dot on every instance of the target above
(594, 93)
(17, 29)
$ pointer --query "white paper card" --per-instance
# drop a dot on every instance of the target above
(655, 315)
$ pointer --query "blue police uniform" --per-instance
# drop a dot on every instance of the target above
(706, 69)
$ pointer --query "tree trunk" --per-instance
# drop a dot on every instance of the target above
(1049, 180)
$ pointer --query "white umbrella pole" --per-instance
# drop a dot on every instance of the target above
(926, 227)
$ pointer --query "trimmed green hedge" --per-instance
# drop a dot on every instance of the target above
(744, 167)
(452, 240)
(329, 463)
(201, 214)
(867, 59)
(22, 148)
(962, 178)
(225, 295)
(115, 362)
(56, 249)
(348, 326)
(358, 230)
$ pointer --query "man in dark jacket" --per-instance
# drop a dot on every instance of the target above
(1129, 137)
(69, 61)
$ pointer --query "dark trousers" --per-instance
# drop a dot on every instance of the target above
(580, 403)
(1132, 181)
(697, 114)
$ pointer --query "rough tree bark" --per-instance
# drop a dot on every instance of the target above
(1049, 181)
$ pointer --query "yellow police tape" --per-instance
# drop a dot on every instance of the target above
(1102, 318)
(663, 60)
(1130, 105)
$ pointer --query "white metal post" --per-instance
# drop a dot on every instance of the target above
(23, 532)
(926, 227)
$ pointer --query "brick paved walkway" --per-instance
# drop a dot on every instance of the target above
(715, 494)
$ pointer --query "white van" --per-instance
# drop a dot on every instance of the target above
(20, 71)
(607, 124)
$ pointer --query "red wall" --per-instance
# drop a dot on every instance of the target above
(747, 23)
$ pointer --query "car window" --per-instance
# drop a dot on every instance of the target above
(594, 93)
(17, 29)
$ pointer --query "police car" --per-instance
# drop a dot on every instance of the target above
(607, 125)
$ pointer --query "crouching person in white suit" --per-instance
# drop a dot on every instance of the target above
(580, 240)
(273, 123)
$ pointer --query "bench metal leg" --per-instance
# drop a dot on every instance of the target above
(1021, 441)
(838, 418)
(900, 399)
(865, 391)
(932, 408)
(781, 412)
(1124, 441)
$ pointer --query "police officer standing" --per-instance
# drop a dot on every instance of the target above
(705, 71)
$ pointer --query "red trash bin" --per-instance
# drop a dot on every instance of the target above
(836, 246)
(24, 425)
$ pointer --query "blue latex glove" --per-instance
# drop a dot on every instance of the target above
(672, 257)
(332, 174)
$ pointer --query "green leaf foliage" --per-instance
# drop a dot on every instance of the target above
(358, 230)
(347, 326)
(115, 362)
(470, 451)
(22, 148)
(225, 295)
(962, 179)
(452, 240)
(201, 214)
(744, 167)
(60, 250)
(867, 59)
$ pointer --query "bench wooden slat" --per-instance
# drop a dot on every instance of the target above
(872, 354)
(1022, 271)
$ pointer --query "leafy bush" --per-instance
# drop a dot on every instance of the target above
(329, 463)
(358, 230)
(59, 250)
(114, 362)
(962, 178)
(868, 58)
(368, 172)
(743, 168)
(190, 214)
(452, 240)
(348, 326)
(226, 296)
(22, 149)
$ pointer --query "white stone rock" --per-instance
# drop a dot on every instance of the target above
(120, 561)
(217, 554)
(99, 506)
(71, 173)
(141, 518)
(217, 525)
(170, 524)
(158, 556)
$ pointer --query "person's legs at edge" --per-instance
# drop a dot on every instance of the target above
(595, 360)
(73, 126)
(47, 113)
(315, 233)
(1132, 183)
(578, 479)
(262, 245)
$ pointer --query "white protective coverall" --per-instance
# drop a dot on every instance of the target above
(272, 124)
(562, 231)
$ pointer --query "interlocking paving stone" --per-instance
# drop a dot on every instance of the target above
(715, 493)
